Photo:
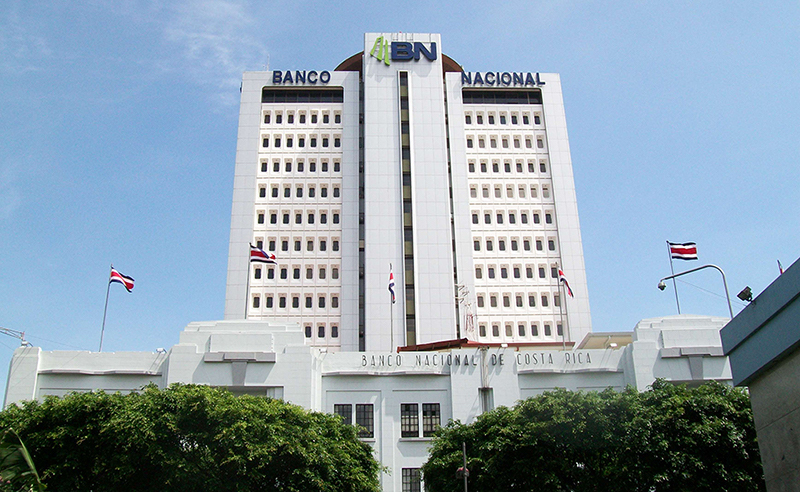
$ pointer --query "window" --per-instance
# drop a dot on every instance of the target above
(474, 218)
(521, 330)
(523, 216)
(297, 245)
(313, 117)
(471, 167)
(344, 411)
(545, 192)
(277, 141)
(301, 141)
(490, 270)
(506, 301)
(337, 166)
(541, 273)
(478, 272)
(274, 192)
(502, 119)
(311, 192)
(499, 218)
(431, 418)
(509, 330)
(536, 219)
(468, 119)
(336, 192)
(299, 166)
(324, 141)
(296, 273)
(489, 245)
(261, 218)
(262, 192)
(311, 217)
(326, 118)
(271, 273)
(551, 245)
(269, 302)
(335, 245)
(480, 119)
(469, 143)
(539, 245)
(337, 118)
(265, 142)
(525, 119)
(266, 118)
(531, 300)
(481, 304)
(517, 272)
(528, 272)
(514, 119)
(556, 301)
(278, 118)
(309, 302)
(308, 335)
(321, 273)
(476, 245)
(302, 117)
(534, 330)
(554, 272)
(285, 219)
(543, 167)
(334, 273)
(409, 420)
(298, 218)
(412, 480)
(321, 302)
(263, 167)
(334, 301)
(323, 218)
(512, 218)
(365, 419)
(491, 119)
(519, 300)
(547, 331)
(323, 192)
(284, 273)
(299, 193)
(544, 301)
(321, 331)
(503, 272)
(536, 119)
(337, 142)
(548, 219)
(256, 301)
(334, 331)
(493, 302)
(495, 330)
(495, 167)
(282, 302)
(289, 141)
(501, 244)
(309, 275)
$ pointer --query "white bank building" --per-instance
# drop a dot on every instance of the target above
(457, 183)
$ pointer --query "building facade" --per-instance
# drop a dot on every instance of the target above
(459, 183)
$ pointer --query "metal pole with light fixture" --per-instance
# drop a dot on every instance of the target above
(662, 285)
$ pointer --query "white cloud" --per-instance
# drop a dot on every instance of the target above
(10, 196)
(216, 41)
(20, 50)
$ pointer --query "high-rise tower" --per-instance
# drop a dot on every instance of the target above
(460, 182)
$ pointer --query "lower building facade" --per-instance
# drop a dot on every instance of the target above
(397, 398)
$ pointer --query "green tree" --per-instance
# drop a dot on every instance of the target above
(669, 438)
(189, 438)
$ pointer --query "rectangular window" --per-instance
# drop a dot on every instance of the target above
(345, 411)
(409, 420)
(412, 480)
(431, 418)
(321, 331)
(365, 419)
(256, 301)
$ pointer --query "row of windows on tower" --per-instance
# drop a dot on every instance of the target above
(504, 141)
(269, 301)
(321, 331)
(501, 244)
(300, 167)
(519, 300)
(484, 167)
(491, 271)
(521, 330)
(512, 217)
(283, 272)
(298, 218)
(313, 117)
(301, 141)
(298, 243)
(503, 118)
(310, 191)
(521, 191)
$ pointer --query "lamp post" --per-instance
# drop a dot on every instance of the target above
(662, 285)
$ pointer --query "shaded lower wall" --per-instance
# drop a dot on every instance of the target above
(775, 397)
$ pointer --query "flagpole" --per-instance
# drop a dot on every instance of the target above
(561, 313)
(391, 316)
(105, 310)
(247, 290)
(674, 284)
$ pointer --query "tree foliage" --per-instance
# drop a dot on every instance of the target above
(189, 438)
(669, 438)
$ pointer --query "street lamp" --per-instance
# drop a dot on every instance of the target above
(662, 285)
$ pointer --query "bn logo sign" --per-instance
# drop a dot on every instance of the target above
(401, 50)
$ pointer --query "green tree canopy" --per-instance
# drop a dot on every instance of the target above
(189, 438)
(669, 438)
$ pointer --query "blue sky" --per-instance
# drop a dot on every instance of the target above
(119, 126)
